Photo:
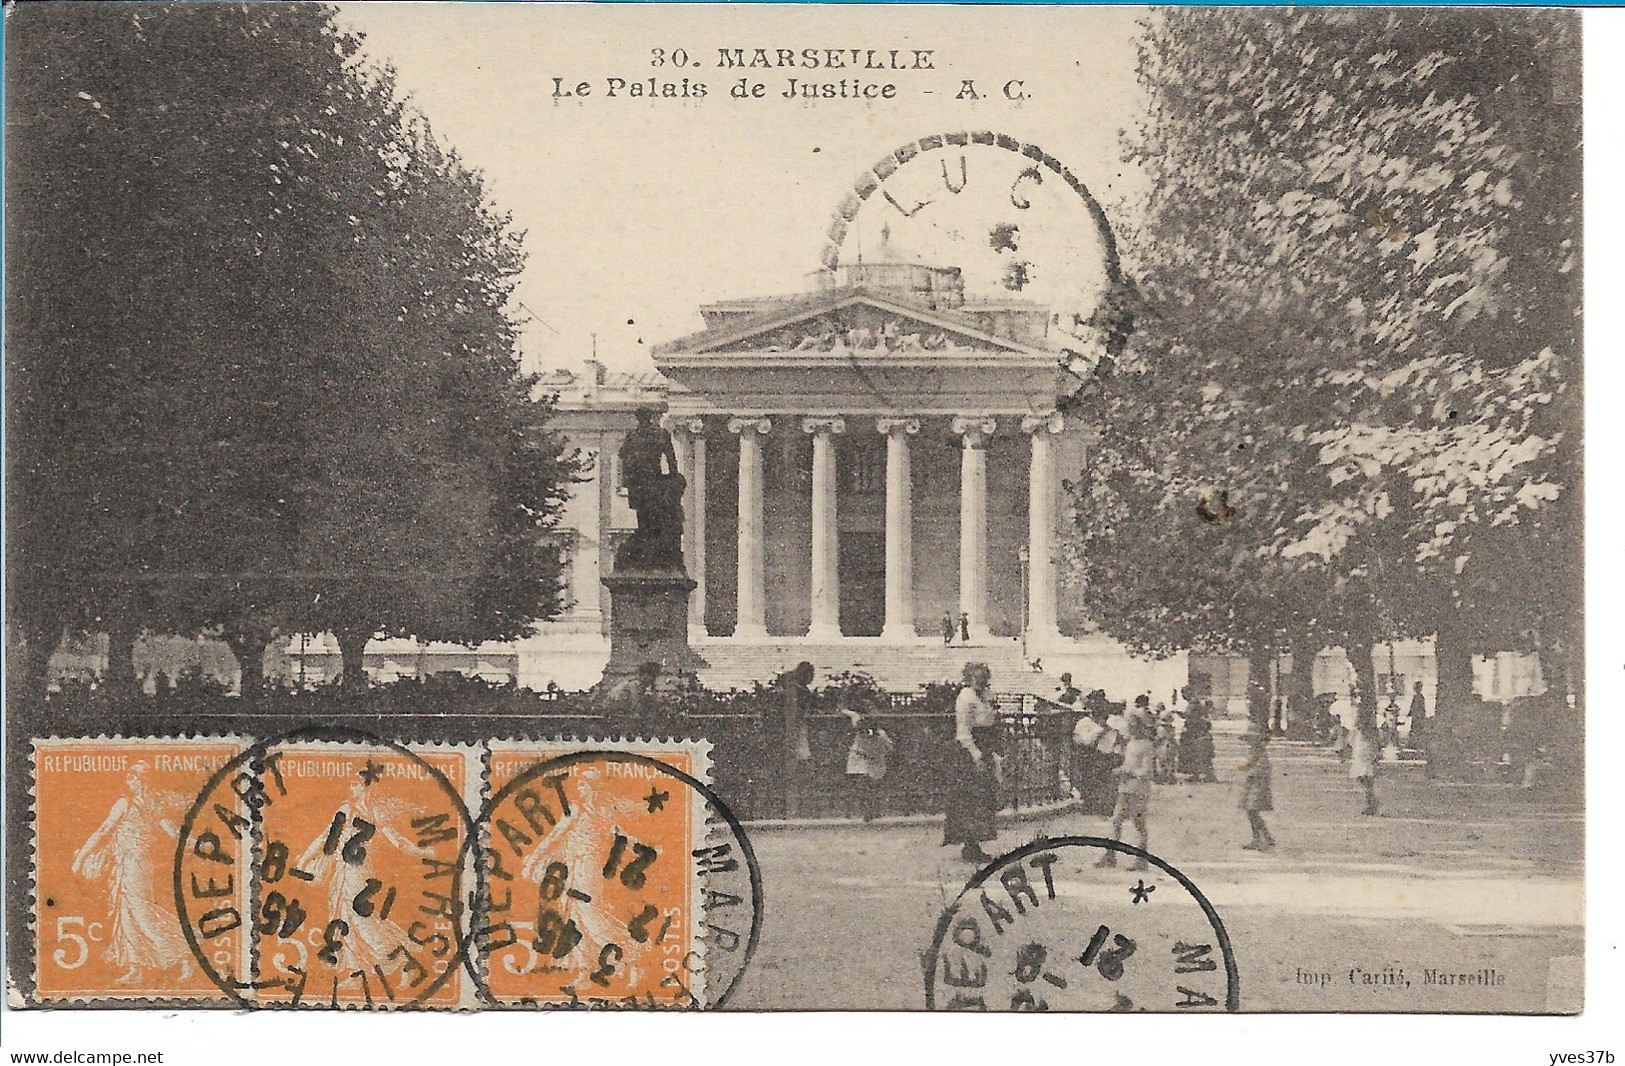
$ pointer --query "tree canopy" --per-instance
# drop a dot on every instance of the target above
(261, 370)
(1358, 268)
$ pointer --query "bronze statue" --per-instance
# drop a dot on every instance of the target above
(654, 490)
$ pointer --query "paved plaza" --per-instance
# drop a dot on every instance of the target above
(1451, 877)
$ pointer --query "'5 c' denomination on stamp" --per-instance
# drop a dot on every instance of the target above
(107, 815)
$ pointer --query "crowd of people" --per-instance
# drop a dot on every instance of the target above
(1118, 752)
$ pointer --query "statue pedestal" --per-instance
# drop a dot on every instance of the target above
(648, 623)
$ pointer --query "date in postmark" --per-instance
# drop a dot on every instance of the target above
(1058, 926)
(356, 851)
(611, 877)
(330, 868)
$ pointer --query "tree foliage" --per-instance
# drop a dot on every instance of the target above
(261, 373)
(1358, 267)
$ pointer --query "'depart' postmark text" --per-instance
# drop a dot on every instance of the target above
(610, 878)
(1045, 928)
(351, 849)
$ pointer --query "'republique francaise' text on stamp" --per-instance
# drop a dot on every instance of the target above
(600, 883)
(358, 873)
(107, 816)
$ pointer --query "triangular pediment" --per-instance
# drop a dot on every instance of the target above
(854, 320)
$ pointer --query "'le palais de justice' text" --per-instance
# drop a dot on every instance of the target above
(671, 83)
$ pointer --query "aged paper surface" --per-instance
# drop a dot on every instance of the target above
(1013, 509)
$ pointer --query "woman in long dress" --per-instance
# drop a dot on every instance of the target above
(1196, 741)
(973, 790)
(1095, 746)
(127, 849)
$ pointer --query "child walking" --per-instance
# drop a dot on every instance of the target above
(1133, 789)
(866, 762)
(1255, 789)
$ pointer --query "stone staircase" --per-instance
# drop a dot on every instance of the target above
(896, 667)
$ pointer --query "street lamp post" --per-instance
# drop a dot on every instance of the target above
(1025, 558)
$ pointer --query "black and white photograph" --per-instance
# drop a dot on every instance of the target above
(524, 507)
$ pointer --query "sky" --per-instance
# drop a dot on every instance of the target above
(639, 210)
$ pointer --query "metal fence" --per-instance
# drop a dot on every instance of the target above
(751, 770)
(759, 779)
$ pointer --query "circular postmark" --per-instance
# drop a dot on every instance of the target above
(610, 879)
(342, 855)
(1083, 924)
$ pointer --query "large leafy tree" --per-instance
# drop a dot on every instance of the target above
(1358, 264)
(260, 371)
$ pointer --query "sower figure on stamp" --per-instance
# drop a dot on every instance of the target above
(973, 785)
(654, 491)
(373, 940)
(126, 850)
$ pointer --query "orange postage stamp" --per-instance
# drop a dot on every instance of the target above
(597, 876)
(107, 817)
(359, 874)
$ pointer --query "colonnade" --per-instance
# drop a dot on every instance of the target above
(973, 431)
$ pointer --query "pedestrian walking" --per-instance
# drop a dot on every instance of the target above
(964, 627)
(1142, 709)
(1070, 693)
(1133, 792)
(1417, 716)
(789, 733)
(948, 627)
(1255, 789)
(1363, 756)
(1390, 724)
(866, 762)
(1167, 756)
(973, 781)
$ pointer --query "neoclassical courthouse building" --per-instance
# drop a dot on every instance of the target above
(863, 460)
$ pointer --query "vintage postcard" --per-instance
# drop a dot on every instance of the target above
(793, 508)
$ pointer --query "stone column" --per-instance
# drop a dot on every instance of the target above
(688, 441)
(826, 558)
(973, 522)
(899, 529)
(696, 522)
(1041, 623)
(752, 605)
